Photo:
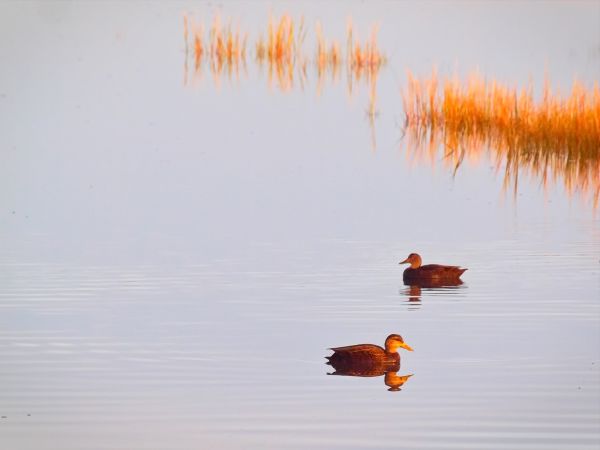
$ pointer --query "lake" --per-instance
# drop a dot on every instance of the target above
(181, 244)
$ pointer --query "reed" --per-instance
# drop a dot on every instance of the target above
(363, 55)
(281, 51)
(555, 137)
(226, 44)
(328, 55)
(283, 43)
(224, 48)
(328, 58)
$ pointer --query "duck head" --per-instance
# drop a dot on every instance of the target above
(413, 259)
(394, 342)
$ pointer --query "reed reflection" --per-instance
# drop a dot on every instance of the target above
(279, 52)
(224, 50)
(555, 139)
(368, 360)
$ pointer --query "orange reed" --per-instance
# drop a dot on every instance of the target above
(555, 137)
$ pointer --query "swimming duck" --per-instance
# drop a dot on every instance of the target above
(368, 356)
(430, 273)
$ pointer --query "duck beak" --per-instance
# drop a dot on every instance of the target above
(406, 346)
(403, 262)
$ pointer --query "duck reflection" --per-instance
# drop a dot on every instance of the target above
(390, 372)
(413, 293)
(395, 381)
(414, 290)
(368, 360)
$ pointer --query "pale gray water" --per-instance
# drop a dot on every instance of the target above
(175, 260)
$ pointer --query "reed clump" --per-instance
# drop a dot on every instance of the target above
(225, 44)
(328, 56)
(281, 51)
(223, 48)
(283, 42)
(364, 55)
(555, 137)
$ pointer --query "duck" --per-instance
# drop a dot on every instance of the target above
(369, 357)
(434, 274)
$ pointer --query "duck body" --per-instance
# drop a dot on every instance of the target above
(364, 358)
(368, 358)
(430, 273)
(363, 367)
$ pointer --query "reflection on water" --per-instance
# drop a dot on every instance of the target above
(414, 292)
(224, 50)
(553, 138)
(390, 372)
(280, 52)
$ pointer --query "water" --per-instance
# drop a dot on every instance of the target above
(176, 259)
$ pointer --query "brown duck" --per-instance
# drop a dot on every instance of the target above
(368, 357)
(429, 273)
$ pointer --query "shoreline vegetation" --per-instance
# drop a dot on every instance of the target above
(552, 137)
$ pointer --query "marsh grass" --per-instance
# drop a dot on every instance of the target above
(366, 54)
(362, 61)
(224, 48)
(328, 58)
(281, 51)
(554, 138)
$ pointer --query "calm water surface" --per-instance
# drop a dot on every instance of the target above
(176, 259)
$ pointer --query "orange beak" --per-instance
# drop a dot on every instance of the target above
(404, 262)
(405, 346)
